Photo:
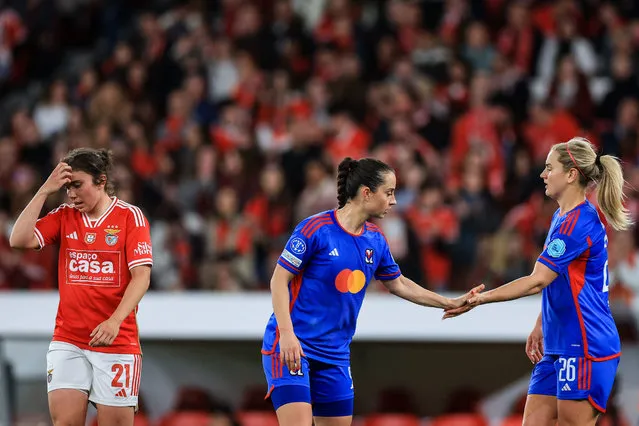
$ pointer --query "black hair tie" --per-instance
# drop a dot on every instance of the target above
(598, 161)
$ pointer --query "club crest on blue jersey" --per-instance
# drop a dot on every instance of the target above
(368, 256)
(297, 246)
(556, 247)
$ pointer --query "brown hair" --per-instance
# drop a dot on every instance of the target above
(96, 162)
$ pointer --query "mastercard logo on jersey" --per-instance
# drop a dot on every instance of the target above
(348, 281)
(112, 236)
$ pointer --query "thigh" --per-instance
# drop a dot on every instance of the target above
(294, 414)
(68, 407)
(332, 392)
(115, 416)
(576, 413)
(540, 410)
(541, 403)
(68, 368)
(116, 379)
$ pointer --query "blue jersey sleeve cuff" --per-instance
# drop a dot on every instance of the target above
(549, 263)
(286, 265)
(388, 277)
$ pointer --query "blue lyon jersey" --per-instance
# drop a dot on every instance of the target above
(332, 270)
(576, 316)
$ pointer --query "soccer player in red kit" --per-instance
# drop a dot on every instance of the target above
(104, 269)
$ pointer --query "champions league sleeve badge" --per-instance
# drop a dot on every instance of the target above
(556, 247)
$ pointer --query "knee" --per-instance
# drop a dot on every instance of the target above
(66, 420)
(115, 416)
(539, 419)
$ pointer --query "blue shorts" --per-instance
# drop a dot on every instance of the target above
(329, 388)
(574, 378)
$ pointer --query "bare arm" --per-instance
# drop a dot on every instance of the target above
(409, 290)
(290, 348)
(540, 278)
(531, 284)
(22, 235)
(106, 332)
(137, 288)
(281, 298)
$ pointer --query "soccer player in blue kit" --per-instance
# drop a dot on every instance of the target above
(576, 365)
(318, 288)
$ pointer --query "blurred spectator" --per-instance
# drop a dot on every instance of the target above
(436, 226)
(228, 264)
(320, 192)
(477, 49)
(567, 42)
(569, 91)
(519, 41)
(52, 115)
(624, 283)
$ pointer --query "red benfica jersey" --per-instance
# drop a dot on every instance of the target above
(94, 265)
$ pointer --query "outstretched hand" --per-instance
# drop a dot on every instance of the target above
(466, 302)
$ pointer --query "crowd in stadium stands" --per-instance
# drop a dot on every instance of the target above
(227, 120)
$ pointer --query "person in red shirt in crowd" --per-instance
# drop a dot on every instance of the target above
(435, 224)
(348, 138)
(104, 270)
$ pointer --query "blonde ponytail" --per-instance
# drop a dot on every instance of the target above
(605, 171)
(610, 195)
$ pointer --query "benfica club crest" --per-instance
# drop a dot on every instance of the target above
(111, 237)
(90, 237)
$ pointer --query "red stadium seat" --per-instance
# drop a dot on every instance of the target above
(187, 418)
(460, 420)
(391, 420)
(257, 418)
(514, 420)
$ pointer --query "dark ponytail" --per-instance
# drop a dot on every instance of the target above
(351, 174)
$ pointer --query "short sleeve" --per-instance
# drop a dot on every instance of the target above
(299, 248)
(47, 228)
(138, 240)
(387, 269)
(566, 243)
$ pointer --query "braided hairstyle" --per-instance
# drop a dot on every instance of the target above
(351, 174)
(96, 162)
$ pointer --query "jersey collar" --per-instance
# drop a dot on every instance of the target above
(94, 223)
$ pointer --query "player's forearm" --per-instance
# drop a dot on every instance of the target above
(133, 294)
(281, 305)
(22, 233)
(521, 287)
(409, 290)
